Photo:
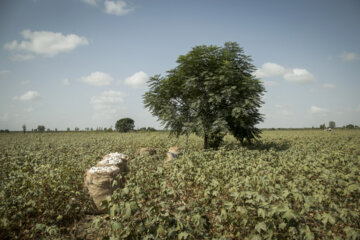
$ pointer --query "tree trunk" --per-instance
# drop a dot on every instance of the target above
(206, 141)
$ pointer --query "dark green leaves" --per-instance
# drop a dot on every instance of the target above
(211, 92)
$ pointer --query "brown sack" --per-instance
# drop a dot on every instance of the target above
(173, 152)
(147, 151)
(99, 181)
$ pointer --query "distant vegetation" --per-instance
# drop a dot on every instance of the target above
(125, 125)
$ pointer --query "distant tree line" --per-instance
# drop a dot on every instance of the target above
(122, 125)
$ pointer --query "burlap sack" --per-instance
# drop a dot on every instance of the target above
(99, 182)
(173, 152)
(147, 151)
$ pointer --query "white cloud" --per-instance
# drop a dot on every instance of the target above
(21, 57)
(107, 105)
(329, 85)
(28, 96)
(98, 79)
(90, 2)
(315, 109)
(270, 69)
(3, 73)
(4, 117)
(299, 75)
(137, 80)
(107, 100)
(65, 82)
(348, 56)
(44, 43)
(116, 7)
(270, 83)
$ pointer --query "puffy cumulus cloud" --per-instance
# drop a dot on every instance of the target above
(28, 96)
(98, 79)
(329, 85)
(137, 80)
(315, 109)
(108, 104)
(270, 69)
(299, 75)
(348, 56)
(44, 43)
(107, 99)
(116, 7)
(65, 82)
(296, 75)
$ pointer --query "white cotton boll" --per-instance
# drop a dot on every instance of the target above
(113, 159)
(103, 169)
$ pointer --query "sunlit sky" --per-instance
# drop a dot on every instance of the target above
(85, 63)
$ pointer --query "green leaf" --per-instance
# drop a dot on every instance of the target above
(229, 205)
(282, 226)
(127, 211)
(289, 215)
(261, 226)
(261, 213)
(183, 235)
(255, 237)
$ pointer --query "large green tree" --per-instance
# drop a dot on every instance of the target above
(125, 125)
(211, 92)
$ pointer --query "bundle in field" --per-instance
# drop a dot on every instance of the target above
(116, 159)
(99, 180)
(173, 152)
(147, 151)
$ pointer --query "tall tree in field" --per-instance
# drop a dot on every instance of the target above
(24, 128)
(41, 128)
(332, 124)
(125, 125)
(211, 92)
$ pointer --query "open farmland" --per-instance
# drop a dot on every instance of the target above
(289, 185)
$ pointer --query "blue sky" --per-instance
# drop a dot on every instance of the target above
(85, 63)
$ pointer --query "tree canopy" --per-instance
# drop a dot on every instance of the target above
(125, 125)
(212, 91)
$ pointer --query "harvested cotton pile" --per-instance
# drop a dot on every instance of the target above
(117, 159)
(99, 180)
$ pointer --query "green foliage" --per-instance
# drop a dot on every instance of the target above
(41, 128)
(125, 125)
(307, 190)
(211, 92)
(291, 185)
